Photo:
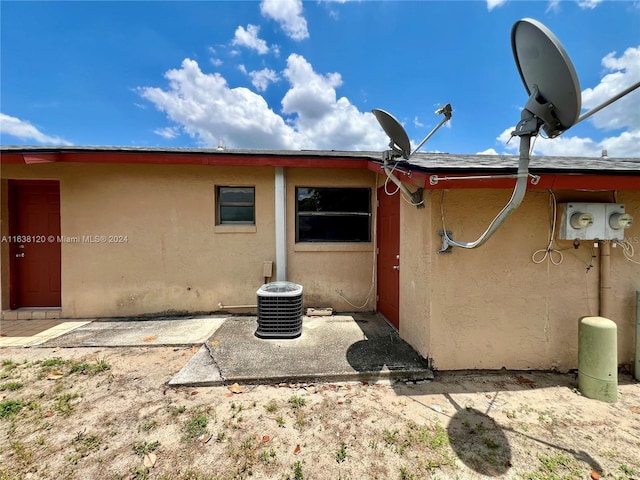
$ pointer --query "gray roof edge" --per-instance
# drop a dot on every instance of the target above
(420, 161)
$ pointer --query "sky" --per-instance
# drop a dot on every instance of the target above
(294, 75)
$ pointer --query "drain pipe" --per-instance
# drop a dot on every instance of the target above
(605, 279)
(280, 208)
(222, 306)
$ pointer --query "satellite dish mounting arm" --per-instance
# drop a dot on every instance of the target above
(396, 152)
(528, 127)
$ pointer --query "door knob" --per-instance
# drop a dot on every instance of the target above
(396, 267)
(20, 255)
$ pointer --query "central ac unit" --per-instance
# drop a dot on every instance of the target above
(279, 310)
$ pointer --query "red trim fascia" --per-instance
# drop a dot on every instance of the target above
(186, 159)
(32, 158)
(558, 181)
(214, 160)
(11, 158)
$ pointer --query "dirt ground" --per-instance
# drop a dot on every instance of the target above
(107, 414)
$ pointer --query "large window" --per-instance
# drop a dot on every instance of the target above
(235, 206)
(333, 214)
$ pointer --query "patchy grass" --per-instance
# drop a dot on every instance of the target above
(74, 424)
(53, 362)
(341, 453)
(8, 365)
(556, 467)
(9, 408)
(272, 407)
(12, 386)
(297, 402)
(195, 426)
(142, 448)
(64, 405)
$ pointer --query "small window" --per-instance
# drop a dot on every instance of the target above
(333, 214)
(235, 206)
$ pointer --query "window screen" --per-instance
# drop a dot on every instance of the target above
(333, 214)
(235, 205)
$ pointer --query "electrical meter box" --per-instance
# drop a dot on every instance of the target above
(592, 221)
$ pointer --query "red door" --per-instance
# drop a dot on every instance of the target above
(34, 216)
(388, 262)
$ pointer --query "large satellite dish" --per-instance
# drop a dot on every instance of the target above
(554, 104)
(548, 76)
(399, 138)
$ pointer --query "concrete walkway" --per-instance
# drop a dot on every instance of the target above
(120, 332)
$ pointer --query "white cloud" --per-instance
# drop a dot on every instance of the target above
(623, 115)
(417, 122)
(325, 121)
(491, 4)
(488, 151)
(624, 71)
(23, 130)
(553, 6)
(311, 95)
(209, 111)
(626, 145)
(590, 4)
(216, 62)
(249, 38)
(206, 108)
(288, 13)
(262, 78)
(167, 132)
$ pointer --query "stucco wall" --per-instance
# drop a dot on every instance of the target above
(174, 257)
(493, 307)
(490, 307)
(416, 280)
(337, 275)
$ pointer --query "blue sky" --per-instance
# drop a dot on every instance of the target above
(286, 74)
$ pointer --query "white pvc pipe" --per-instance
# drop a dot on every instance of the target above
(281, 223)
(222, 306)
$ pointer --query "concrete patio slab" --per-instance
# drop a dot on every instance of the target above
(362, 347)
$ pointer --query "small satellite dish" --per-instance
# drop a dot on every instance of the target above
(399, 139)
(548, 76)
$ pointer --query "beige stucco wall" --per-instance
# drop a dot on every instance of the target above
(493, 307)
(174, 257)
(337, 275)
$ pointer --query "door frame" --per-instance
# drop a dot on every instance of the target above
(12, 209)
(394, 202)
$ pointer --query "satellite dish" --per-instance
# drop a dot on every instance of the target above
(401, 147)
(548, 76)
(554, 104)
(399, 139)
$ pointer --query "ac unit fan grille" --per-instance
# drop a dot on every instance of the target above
(279, 316)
